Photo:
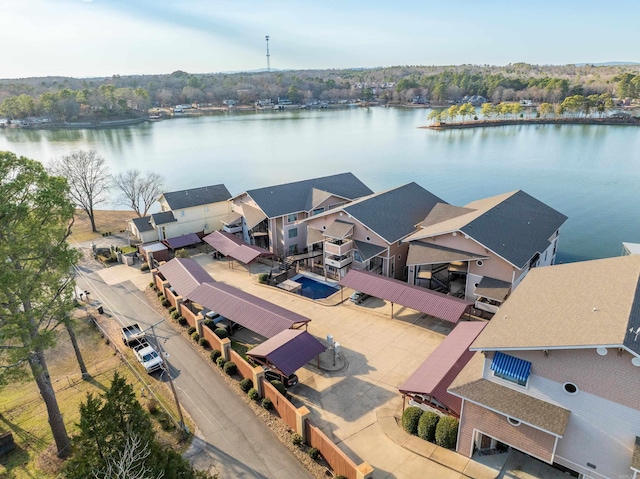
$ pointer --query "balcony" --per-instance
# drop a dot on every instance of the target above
(488, 307)
(338, 261)
(232, 228)
(338, 249)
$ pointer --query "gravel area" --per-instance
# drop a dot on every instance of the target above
(270, 418)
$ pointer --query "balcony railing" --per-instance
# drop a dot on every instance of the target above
(490, 308)
(338, 261)
(338, 249)
(232, 228)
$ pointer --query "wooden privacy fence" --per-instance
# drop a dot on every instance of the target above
(214, 341)
(244, 368)
(284, 408)
(189, 315)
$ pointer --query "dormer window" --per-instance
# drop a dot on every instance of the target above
(292, 218)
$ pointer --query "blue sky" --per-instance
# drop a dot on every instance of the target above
(84, 38)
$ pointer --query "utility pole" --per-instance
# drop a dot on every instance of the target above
(266, 37)
(166, 368)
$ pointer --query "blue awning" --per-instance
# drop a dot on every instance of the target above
(511, 368)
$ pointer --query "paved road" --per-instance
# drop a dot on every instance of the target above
(230, 435)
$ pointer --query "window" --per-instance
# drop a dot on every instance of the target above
(293, 233)
(292, 218)
(368, 238)
(479, 263)
(293, 249)
(356, 256)
(317, 211)
(513, 422)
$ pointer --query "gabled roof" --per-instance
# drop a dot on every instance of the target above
(289, 350)
(178, 200)
(424, 300)
(230, 245)
(256, 314)
(430, 253)
(492, 288)
(183, 241)
(434, 376)
(393, 214)
(515, 225)
(184, 275)
(443, 212)
(532, 411)
(143, 224)
(368, 250)
(289, 198)
(590, 303)
(163, 218)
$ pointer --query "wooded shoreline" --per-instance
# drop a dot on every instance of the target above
(533, 121)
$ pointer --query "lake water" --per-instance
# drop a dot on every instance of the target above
(589, 173)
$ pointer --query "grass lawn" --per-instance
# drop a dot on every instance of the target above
(112, 221)
(24, 414)
(240, 348)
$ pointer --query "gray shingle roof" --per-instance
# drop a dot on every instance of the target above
(516, 228)
(178, 200)
(163, 218)
(393, 214)
(143, 224)
(294, 197)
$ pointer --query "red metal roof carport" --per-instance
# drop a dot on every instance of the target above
(233, 247)
(287, 351)
(436, 374)
(184, 275)
(424, 300)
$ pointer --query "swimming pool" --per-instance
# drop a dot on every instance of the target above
(314, 289)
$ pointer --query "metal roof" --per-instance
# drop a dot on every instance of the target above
(424, 300)
(368, 250)
(184, 275)
(338, 229)
(434, 376)
(231, 218)
(289, 350)
(429, 253)
(394, 214)
(230, 245)
(492, 288)
(253, 216)
(163, 218)
(144, 224)
(256, 314)
(182, 241)
(153, 247)
(314, 236)
(298, 196)
(631, 248)
(205, 195)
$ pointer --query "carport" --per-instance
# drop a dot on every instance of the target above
(233, 247)
(433, 303)
(431, 380)
(287, 351)
(182, 241)
(184, 275)
(256, 314)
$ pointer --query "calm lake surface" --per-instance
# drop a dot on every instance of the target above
(589, 173)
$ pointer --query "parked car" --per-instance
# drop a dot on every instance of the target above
(358, 297)
(288, 381)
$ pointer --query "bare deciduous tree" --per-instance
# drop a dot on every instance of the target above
(138, 190)
(89, 179)
(130, 464)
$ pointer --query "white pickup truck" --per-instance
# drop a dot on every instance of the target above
(132, 335)
(147, 356)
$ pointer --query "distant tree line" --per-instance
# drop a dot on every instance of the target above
(572, 106)
(70, 98)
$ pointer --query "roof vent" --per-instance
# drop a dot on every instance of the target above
(602, 351)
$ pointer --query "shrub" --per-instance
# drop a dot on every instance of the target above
(427, 426)
(172, 309)
(230, 368)
(160, 295)
(314, 453)
(210, 324)
(246, 384)
(447, 432)
(191, 330)
(221, 333)
(296, 439)
(195, 336)
(144, 267)
(267, 404)
(182, 320)
(182, 253)
(253, 394)
(152, 284)
(340, 476)
(152, 405)
(410, 419)
(203, 342)
(220, 361)
(175, 314)
(166, 303)
(215, 354)
(263, 278)
(279, 386)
